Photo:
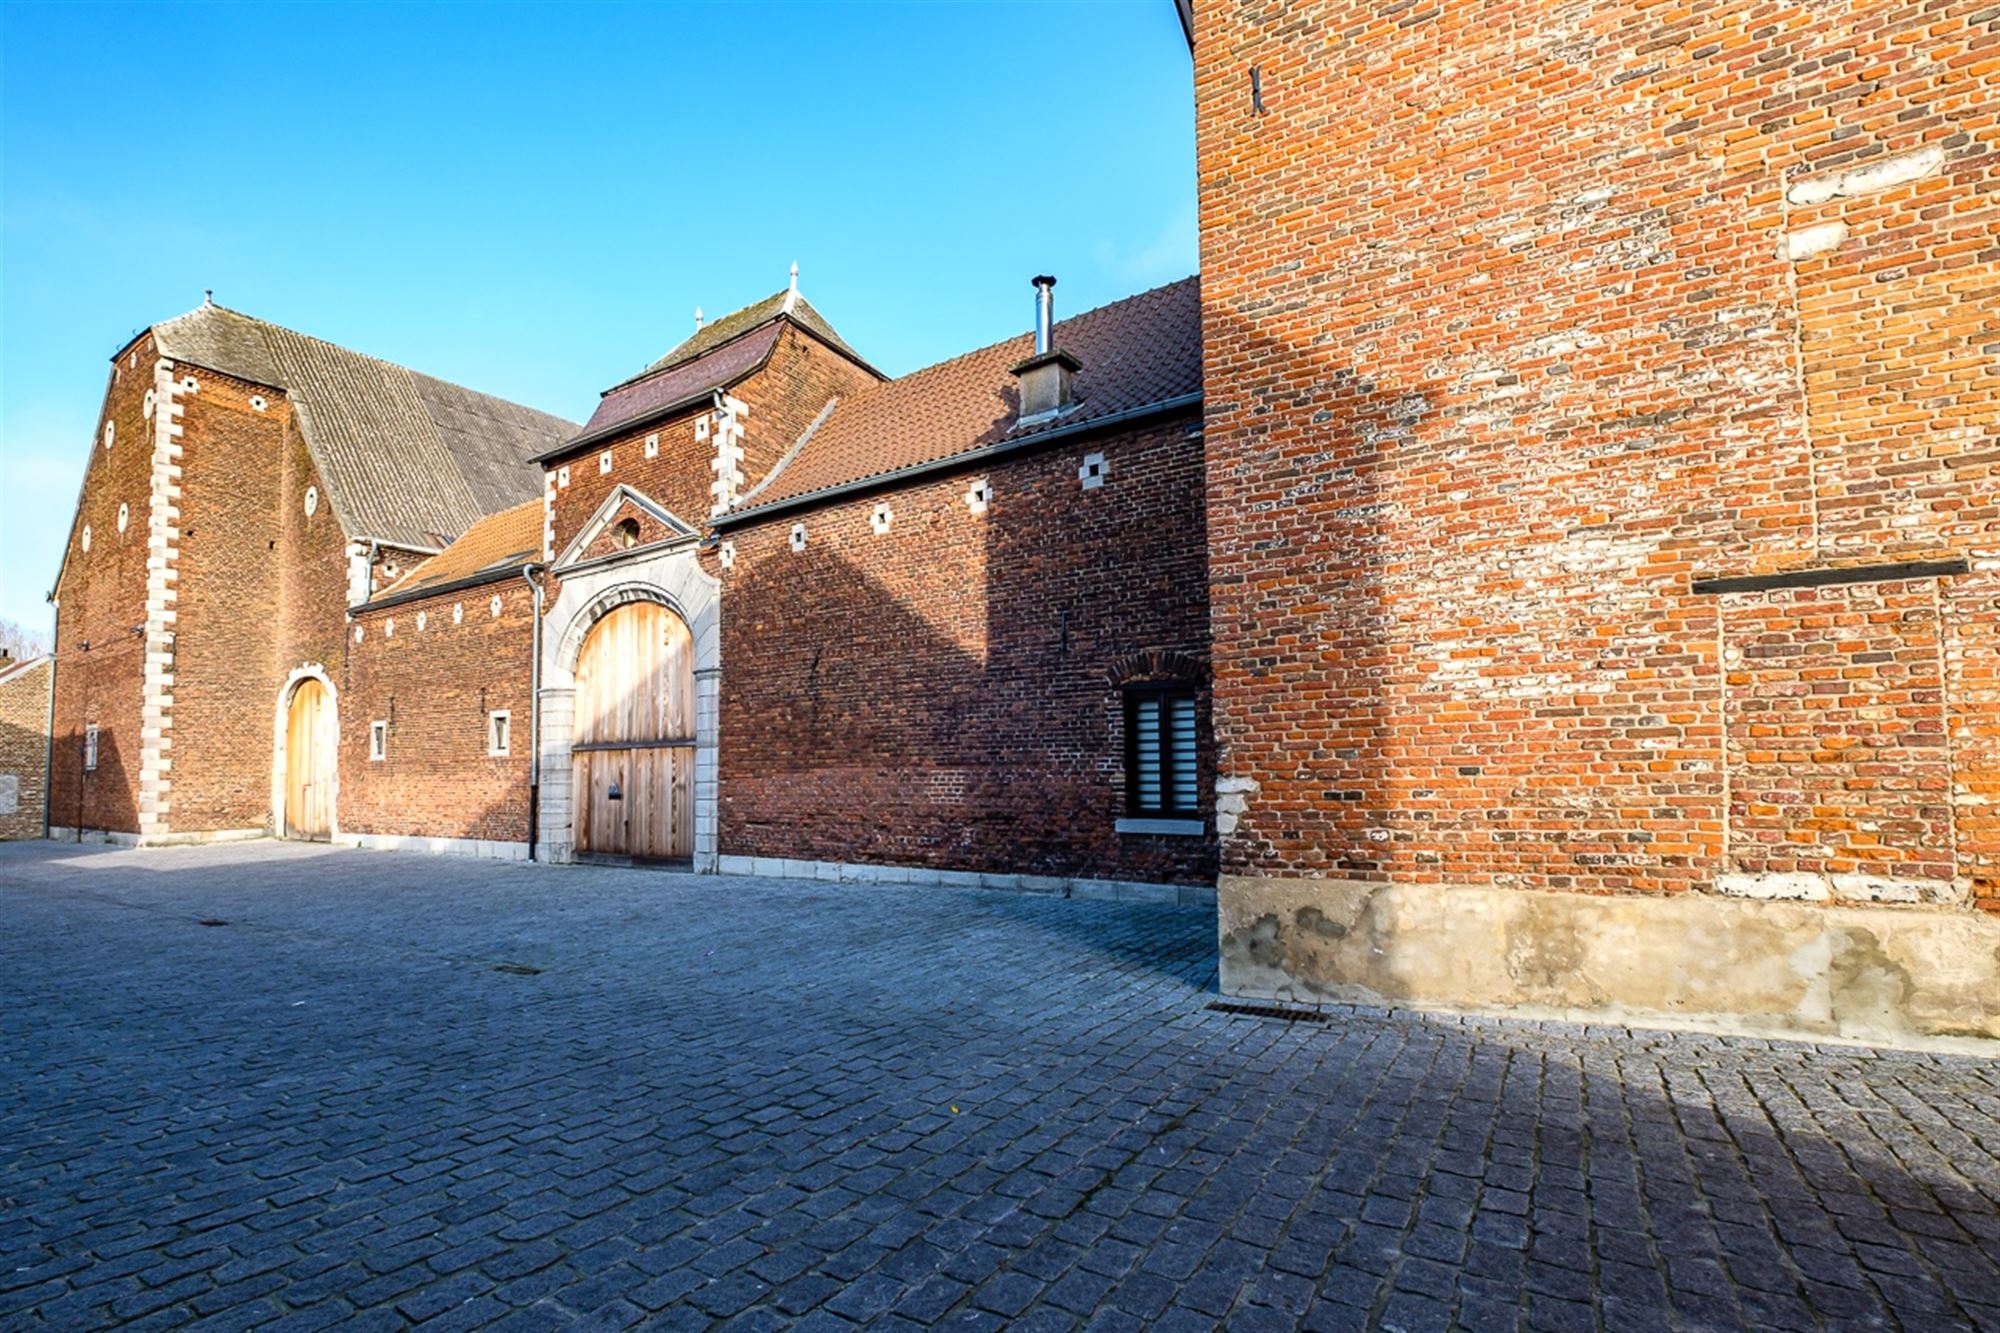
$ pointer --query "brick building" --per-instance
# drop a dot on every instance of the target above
(502, 635)
(1604, 506)
(805, 618)
(246, 485)
(24, 747)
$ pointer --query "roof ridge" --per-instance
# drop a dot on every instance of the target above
(343, 348)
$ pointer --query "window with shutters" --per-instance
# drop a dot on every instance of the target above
(1160, 772)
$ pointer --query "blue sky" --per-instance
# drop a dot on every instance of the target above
(532, 200)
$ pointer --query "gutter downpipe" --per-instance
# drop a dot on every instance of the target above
(534, 717)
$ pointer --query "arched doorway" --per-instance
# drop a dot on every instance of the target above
(309, 761)
(632, 749)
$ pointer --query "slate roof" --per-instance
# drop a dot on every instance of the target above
(719, 331)
(406, 459)
(717, 368)
(495, 544)
(1143, 350)
(722, 352)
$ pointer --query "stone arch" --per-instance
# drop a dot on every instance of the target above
(675, 580)
(570, 647)
(305, 671)
(1157, 666)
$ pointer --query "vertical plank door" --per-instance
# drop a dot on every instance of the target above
(635, 735)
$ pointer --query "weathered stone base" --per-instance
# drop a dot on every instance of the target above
(115, 838)
(478, 847)
(1875, 974)
(1181, 895)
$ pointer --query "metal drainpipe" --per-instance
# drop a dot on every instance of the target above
(534, 717)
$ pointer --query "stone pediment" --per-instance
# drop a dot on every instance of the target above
(628, 520)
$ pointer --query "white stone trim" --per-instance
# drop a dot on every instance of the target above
(484, 849)
(102, 837)
(163, 534)
(1055, 886)
(317, 672)
(1165, 827)
(673, 578)
(728, 461)
(621, 495)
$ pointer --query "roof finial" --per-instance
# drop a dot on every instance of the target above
(792, 292)
(208, 296)
(697, 319)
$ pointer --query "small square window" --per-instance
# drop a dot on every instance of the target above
(499, 732)
(378, 740)
(604, 461)
(90, 748)
(562, 476)
(652, 446)
(1160, 772)
(978, 496)
(1091, 474)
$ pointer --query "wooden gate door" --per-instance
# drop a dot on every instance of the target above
(633, 747)
(309, 760)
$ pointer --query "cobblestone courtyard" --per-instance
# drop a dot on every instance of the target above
(272, 1085)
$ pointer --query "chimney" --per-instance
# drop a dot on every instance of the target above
(1045, 376)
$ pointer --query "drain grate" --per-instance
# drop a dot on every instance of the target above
(517, 969)
(1270, 1011)
(211, 921)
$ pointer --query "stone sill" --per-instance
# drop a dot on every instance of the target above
(1172, 828)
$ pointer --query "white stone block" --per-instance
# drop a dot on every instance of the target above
(1798, 885)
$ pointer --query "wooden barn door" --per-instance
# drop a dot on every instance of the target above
(309, 760)
(633, 747)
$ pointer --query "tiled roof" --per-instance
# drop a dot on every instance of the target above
(1143, 350)
(406, 459)
(16, 670)
(503, 541)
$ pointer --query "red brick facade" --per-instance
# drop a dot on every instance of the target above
(784, 396)
(101, 612)
(435, 669)
(24, 747)
(262, 589)
(1521, 321)
(944, 692)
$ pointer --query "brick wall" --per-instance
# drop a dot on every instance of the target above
(1520, 318)
(784, 397)
(101, 603)
(939, 694)
(231, 610)
(24, 731)
(448, 662)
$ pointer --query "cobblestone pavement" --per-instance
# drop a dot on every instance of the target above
(769, 1102)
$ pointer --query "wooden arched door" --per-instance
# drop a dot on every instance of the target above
(632, 750)
(309, 762)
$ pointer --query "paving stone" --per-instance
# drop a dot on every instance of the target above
(957, 1109)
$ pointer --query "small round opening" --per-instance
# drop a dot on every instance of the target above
(626, 535)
